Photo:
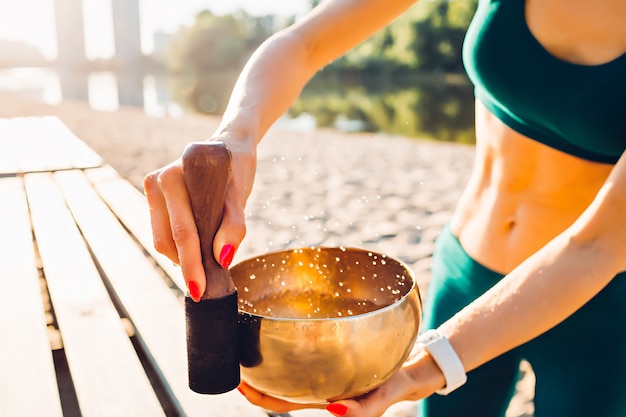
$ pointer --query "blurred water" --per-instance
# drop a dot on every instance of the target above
(102, 90)
(441, 110)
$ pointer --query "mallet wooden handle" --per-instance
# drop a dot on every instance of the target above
(207, 167)
(212, 330)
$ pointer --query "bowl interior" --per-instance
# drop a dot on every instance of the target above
(320, 283)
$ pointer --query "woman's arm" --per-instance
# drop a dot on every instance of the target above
(537, 295)
(280, 68)
(269, 83)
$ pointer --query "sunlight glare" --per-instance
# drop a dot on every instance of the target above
(32, 21)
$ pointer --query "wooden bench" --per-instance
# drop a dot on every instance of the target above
(91, 316)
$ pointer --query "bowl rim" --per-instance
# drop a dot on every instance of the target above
(381, 310)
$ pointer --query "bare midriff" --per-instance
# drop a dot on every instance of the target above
(520, 195)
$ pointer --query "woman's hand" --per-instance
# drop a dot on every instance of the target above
(173, 225)
(272, 403)
(417, 379)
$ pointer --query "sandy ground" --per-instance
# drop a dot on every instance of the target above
(384, 193)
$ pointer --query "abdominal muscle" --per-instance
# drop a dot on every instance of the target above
(520, 195)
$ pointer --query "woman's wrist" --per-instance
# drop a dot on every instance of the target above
(244, 126)
(425, 374)
(446, 359)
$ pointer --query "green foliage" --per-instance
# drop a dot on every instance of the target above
(208, 56)
(218, 42)
(375, 82)
(439, 108)
(428, 37)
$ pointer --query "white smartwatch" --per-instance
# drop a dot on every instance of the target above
(442, 352)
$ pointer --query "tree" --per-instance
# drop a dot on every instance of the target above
(428, 37)
(211, 43)
(208, 56)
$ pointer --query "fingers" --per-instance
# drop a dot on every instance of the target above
(376, 402)
(272, 403)
(233, 228)
(173, 226)
(230, 233)
(369, 405)
(354, 408)
(341, 409)
(159, 218)
(183, 228)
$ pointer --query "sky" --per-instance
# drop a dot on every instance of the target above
(32, 21)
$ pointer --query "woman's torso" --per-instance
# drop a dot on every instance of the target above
(523, 191)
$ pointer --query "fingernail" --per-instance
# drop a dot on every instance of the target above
(338, 409)
(226, 256)
(194, 291)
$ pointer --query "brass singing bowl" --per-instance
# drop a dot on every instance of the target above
(321, 324)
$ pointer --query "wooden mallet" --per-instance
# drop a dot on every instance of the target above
(212, 335)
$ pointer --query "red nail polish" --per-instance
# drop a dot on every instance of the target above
(241, 391)
(226, 256)
(194, 291)
(338, 409)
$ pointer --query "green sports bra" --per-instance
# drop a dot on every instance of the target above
(577, 109)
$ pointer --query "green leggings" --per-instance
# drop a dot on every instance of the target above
(580, 365)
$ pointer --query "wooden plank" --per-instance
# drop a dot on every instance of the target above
(76, 152)
(36, 144)
(155, 310)
(8, 150)
(106, 372)
(28, 384)
(131, 207)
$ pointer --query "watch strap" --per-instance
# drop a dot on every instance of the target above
(442, 352)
